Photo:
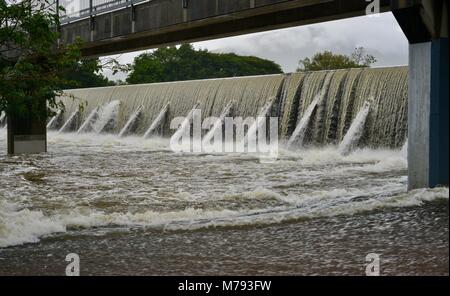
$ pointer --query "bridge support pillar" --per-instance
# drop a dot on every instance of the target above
(27, 133)
(425, 24)
(428, 162)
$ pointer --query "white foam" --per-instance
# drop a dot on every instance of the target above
(131, 121)
(299, 132)
(107, 141)
(20, 226)
(405, 149)
(106, 114)
(356, 129)
(375, 159)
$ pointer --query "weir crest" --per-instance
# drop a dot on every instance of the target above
(313, 108)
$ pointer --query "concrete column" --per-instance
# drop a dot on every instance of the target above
(27, 133)
(425, 24)
(428, 114)
(439, 114)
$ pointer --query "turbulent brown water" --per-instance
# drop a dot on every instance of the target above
(129, 205)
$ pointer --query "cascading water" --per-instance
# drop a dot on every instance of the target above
(355, 131)
(54, 121)
(157, 122)
(107, 117)
(104, 194)
(217, 125)
(87, 125)
(405, 149)
(101, 194)
(101, 119)
(71, 123)
(185, 125)
(313, 107)
(132, 123)
(2, 119)
(299, 133)
(253, 130)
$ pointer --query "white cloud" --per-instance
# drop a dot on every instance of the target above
(380, 35)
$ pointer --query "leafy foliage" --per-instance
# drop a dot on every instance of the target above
(328, 61)
(85, 73)
(186, 63)
(32, 65)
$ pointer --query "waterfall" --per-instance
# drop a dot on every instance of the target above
(157, 122)
(2, 119)
(107, 117)
(131, 123)
(51, 121)
(315, 108)
(101, 119)
(404, 150)
(298, 135)
(185, 125)
(356, 130)
(218, 124)
(253, 130)
(55, 121)
(71, 122)
(87, 125)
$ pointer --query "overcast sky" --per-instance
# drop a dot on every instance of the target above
(380, 35)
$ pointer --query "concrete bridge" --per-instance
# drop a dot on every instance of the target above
(115, 26)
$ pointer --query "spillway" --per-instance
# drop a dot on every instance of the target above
(342, 93)
(117, 186)
(2, 119)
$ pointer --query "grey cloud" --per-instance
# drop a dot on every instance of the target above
(380, 35)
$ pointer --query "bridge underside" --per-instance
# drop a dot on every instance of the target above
(165, 22)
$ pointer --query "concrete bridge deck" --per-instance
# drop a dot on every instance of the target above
(127, 25)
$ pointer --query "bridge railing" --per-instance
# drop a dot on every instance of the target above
(80, 9)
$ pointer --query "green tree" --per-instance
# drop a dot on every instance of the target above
(362, 58)
(185, 63)
(32, 65)
(329, 61)
(85, 73)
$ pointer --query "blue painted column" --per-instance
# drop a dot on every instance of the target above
(439, 114)
(428, 114)
(425, 24)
